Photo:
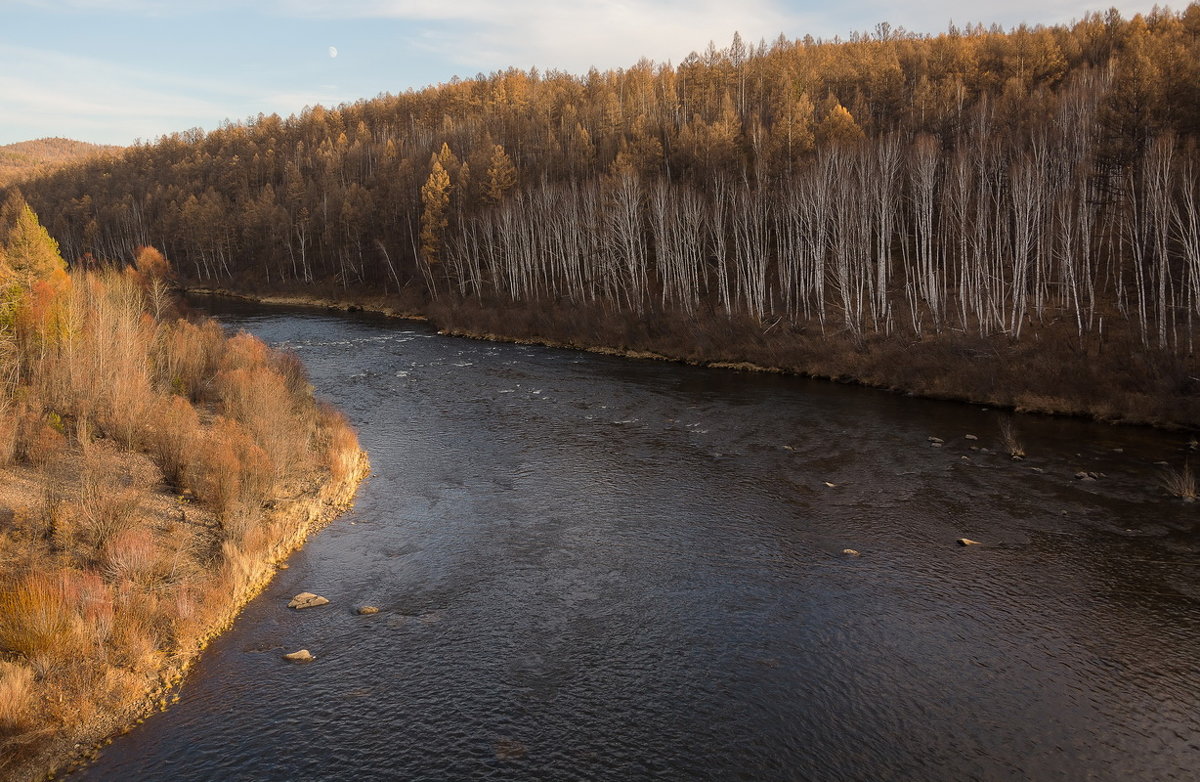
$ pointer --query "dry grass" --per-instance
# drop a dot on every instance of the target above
(117, 564)
(36, 620)
(16, 696)
(1179, 483)
(1010, 441)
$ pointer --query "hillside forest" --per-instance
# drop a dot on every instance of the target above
(28, 159)
(1019, 204)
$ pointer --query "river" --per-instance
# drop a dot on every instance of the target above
(593, 568)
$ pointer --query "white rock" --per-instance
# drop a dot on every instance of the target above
(307, 600)
(301, 656)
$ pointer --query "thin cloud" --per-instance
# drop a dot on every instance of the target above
(573, 37)
(480, 34)
(116, 104)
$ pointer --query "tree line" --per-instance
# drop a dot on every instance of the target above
(979, 180)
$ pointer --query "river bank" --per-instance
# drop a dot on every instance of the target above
(1107, 380)
(151, 687)
(154, 473)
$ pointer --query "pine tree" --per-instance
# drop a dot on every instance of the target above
(435, 200)
(501, 176)
(30, 253)
(839, 127)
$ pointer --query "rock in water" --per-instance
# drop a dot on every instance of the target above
(307, 600)
(968, 542)
(849, 552)
(301, 656)
(364, 610)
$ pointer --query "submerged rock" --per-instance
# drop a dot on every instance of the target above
(968, 542)
(509, 749)
(849, 552)
(970, 437)
(301, 656)
(364, 610)
(307, 600)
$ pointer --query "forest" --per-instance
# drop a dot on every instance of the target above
(895, 199)
(27, 159)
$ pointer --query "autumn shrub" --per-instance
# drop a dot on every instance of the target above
(126, 408)
(36, 620)
(40, 442)
(103, 507)
(244, 351)
(172, 433)
(132, 555)
(258, 399)
(214, 475)
(340, 444)
(229, 470)
(294, 374)
(8, 434)
(92, 600)
(134, 641)
(186, 355)
(16, 696)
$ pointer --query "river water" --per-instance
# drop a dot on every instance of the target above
(592, 568)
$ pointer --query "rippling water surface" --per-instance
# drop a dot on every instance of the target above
(591, 568)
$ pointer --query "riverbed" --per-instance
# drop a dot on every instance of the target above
(596, 568)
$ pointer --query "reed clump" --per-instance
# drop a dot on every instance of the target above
(152, 472)
(1179, 483)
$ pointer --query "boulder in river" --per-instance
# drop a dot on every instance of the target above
(307, 600)
(301, 656)
(968, 542)
(849, 552)
(364, 610)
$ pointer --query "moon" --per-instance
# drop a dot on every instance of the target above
(333, 51)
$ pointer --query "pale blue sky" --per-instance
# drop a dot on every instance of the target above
(110, 71)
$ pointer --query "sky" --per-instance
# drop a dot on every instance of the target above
(114, 71)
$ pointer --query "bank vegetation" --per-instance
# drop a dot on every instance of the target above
(153, 471)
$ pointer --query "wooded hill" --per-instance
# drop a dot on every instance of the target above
(26, 159)
(978, 182)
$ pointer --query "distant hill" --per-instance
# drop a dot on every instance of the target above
(25, 159)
